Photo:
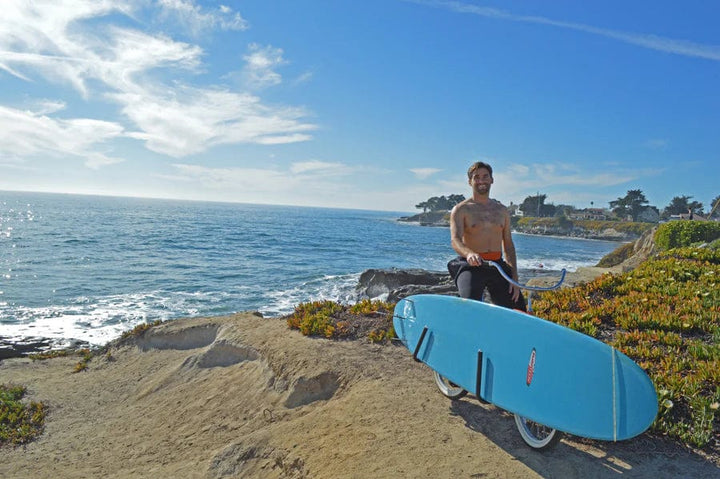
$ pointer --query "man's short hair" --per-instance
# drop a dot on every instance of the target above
(476, 166)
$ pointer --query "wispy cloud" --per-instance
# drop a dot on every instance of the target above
(191, 120)
(305, 183)
(260, 64)
(247, 180)
(424, 173)
(656, 144)
(27, 134)
(308, 183)
(148, 75)
(319, 168)
(562, 182)
(651, 41)
(549, 175)
(196, 20)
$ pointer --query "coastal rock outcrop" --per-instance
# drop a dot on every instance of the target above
(643, 248)
(394, 284)
(429, 218)
(17, 348)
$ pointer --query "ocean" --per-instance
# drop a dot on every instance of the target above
(91, 267)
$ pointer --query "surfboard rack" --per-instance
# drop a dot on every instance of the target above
(527, 287)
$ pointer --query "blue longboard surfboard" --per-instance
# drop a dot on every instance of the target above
(537, 369)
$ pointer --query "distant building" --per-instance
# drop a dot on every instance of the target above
(515, 210)
(688, 216)
(597, 214)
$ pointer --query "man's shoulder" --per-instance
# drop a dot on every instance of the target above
(463, 205)
(498, 204)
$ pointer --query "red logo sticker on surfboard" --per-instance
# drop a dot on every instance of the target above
(531, 368)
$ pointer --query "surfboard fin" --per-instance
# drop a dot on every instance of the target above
(478, 382)
(419, 343)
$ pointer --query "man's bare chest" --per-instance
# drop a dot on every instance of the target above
(484, 218)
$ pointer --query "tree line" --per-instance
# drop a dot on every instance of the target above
(633, 205)
(440, 203)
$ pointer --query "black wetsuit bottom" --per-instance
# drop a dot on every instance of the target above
(471, 282)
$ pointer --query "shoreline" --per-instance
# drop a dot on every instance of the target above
(589, 237)
(583, 238)
(23, 346)
(439, 219)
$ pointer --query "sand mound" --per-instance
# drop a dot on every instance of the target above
(243, 396)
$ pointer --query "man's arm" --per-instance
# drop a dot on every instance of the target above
(509, 247)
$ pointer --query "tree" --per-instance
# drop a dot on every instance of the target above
(564, 210)
(548, 210)
(455, 199)
(681, 205)
(632, 204)
(440, 203)
(533, 205)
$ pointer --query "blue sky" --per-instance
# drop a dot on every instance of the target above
(374, 104)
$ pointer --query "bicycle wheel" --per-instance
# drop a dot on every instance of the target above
(536, 435)
(448, 388)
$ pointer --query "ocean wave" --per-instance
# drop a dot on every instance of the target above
(553, 264)
(339, 288)
(99, 320)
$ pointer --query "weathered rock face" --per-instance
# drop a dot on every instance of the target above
(16, 349)
(643, 249)
(395, 284)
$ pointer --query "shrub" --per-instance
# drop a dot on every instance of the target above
(675, 234)
(372, 319)
(367, 307)
(139, 330)
(20, 423)
(85, 354)
(314, 318)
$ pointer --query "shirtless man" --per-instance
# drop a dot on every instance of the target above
(480, 230)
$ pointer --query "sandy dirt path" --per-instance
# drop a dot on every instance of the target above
(243, 396)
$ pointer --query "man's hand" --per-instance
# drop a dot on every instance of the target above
(474, 259)
(514, 291)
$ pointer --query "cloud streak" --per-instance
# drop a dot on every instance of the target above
(650, 41)
(424, 173)
(26, 134)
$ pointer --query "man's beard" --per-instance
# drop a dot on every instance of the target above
(483, 189)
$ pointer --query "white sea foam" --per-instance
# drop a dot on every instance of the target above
(339, 288)
(102, 319)
(552, 264)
